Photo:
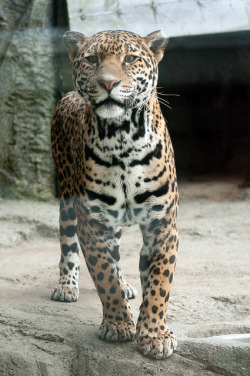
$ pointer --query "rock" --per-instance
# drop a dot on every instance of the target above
(226, 358)
(27, 99)
(25, 220)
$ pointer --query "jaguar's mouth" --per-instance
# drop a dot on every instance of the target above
(109, 108)
(109, 102)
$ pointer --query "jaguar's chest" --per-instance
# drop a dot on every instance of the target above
(112, 197)
(120, 170)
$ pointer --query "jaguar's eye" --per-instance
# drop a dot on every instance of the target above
(130, 58)
(92, 59)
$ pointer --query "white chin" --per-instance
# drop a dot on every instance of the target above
(110, 111)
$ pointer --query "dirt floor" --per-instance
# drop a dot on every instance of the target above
(210, 295)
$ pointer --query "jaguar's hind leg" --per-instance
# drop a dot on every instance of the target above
(67, 289)
(131, 291)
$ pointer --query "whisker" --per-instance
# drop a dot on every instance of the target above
(163, 99)
(168, 95)
(164, 104)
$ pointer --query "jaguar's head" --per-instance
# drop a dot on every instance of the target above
(115, 70)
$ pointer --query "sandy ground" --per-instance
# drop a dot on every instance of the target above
(210, 295)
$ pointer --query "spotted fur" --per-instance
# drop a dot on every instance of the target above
(116, 167)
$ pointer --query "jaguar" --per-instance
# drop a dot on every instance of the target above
(115, 166)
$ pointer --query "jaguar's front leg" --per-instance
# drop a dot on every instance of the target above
(67, 289)
(157, 264)
(97, 242)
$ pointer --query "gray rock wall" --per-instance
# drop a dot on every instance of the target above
(27, 98)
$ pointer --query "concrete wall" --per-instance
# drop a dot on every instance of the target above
(174, 17)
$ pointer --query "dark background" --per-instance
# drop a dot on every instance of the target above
(210, 122)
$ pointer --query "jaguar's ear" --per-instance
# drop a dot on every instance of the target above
(74, 42)
(157, 42)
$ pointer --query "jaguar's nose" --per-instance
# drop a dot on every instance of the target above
(109, 85)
